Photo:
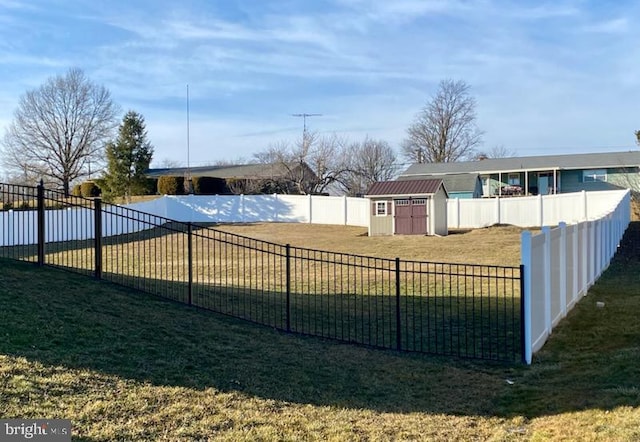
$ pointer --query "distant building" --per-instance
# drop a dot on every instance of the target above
(292, 178)
(458, 185)
(541, 174)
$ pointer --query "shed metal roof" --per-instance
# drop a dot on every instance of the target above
(495, 165)
(405, 188)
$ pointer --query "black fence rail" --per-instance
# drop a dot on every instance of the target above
(463, 310)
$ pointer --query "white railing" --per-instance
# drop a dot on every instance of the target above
(560, 265)
(530, 211)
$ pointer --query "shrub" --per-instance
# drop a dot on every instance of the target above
(171, 185)
(151, 186)
(76, 190)
(89, 189)
(206, 185)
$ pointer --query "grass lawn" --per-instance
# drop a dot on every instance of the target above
(499, 245)
(444, 309)
(124, 365)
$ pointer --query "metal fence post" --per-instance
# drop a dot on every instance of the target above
(41, 228)
(288, 276)
(190, 262)
(398, 325)
(97, 235)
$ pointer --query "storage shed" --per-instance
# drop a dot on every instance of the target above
(412, 207)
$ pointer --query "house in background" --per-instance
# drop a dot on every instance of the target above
(458, 185)
(294, 178)
(542, 174)
(411, 207)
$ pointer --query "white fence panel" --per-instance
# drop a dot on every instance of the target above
(562, 263)
(519, 211)
(315, 209)
(328, 210)
(358, 210)
(18, 227)
(533, 211)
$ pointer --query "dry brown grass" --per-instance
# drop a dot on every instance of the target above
(498, 245)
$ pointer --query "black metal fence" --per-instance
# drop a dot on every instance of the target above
(461, 310)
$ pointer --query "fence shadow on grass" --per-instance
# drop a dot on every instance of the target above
(137, 336)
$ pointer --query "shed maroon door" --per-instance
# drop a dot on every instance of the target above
(411, 216)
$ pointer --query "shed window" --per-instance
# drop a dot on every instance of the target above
(592, 175)
(402, 202)
(419, 202)
(381, 208)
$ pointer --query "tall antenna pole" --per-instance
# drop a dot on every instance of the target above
(304, 122)
(188, 183)
(188, 128)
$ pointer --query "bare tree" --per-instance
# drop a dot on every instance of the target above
(312, 165)
(60, 128)
(168, 163)
(495, 152)
(637, 133)
(369, 161)
(445, 130)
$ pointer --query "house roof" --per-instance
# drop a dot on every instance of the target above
(460, 182)
(546, 162)
(405, 188)
(248, 171)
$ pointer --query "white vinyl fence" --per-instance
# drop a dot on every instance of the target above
(313, 209)
(561, 264)
(19, 227)
(531, 211)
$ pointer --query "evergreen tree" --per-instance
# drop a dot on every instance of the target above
(127, 159)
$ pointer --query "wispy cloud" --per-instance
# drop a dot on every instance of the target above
(613, 26)
(539, 71)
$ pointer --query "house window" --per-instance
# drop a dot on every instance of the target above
(381, 208)
(589, 176)
(514, 179)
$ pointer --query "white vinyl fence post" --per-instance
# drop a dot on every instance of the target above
(497, 212)
(584, 243)
(525, 256)
(275, 207)
(310, 209)
(540, 211)
(242, 208)
(593, 254)
(563, 268)
(345, 209)
(585, 213)
(546, 265)
(576, 264)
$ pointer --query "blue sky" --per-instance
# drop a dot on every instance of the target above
(549, 77)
